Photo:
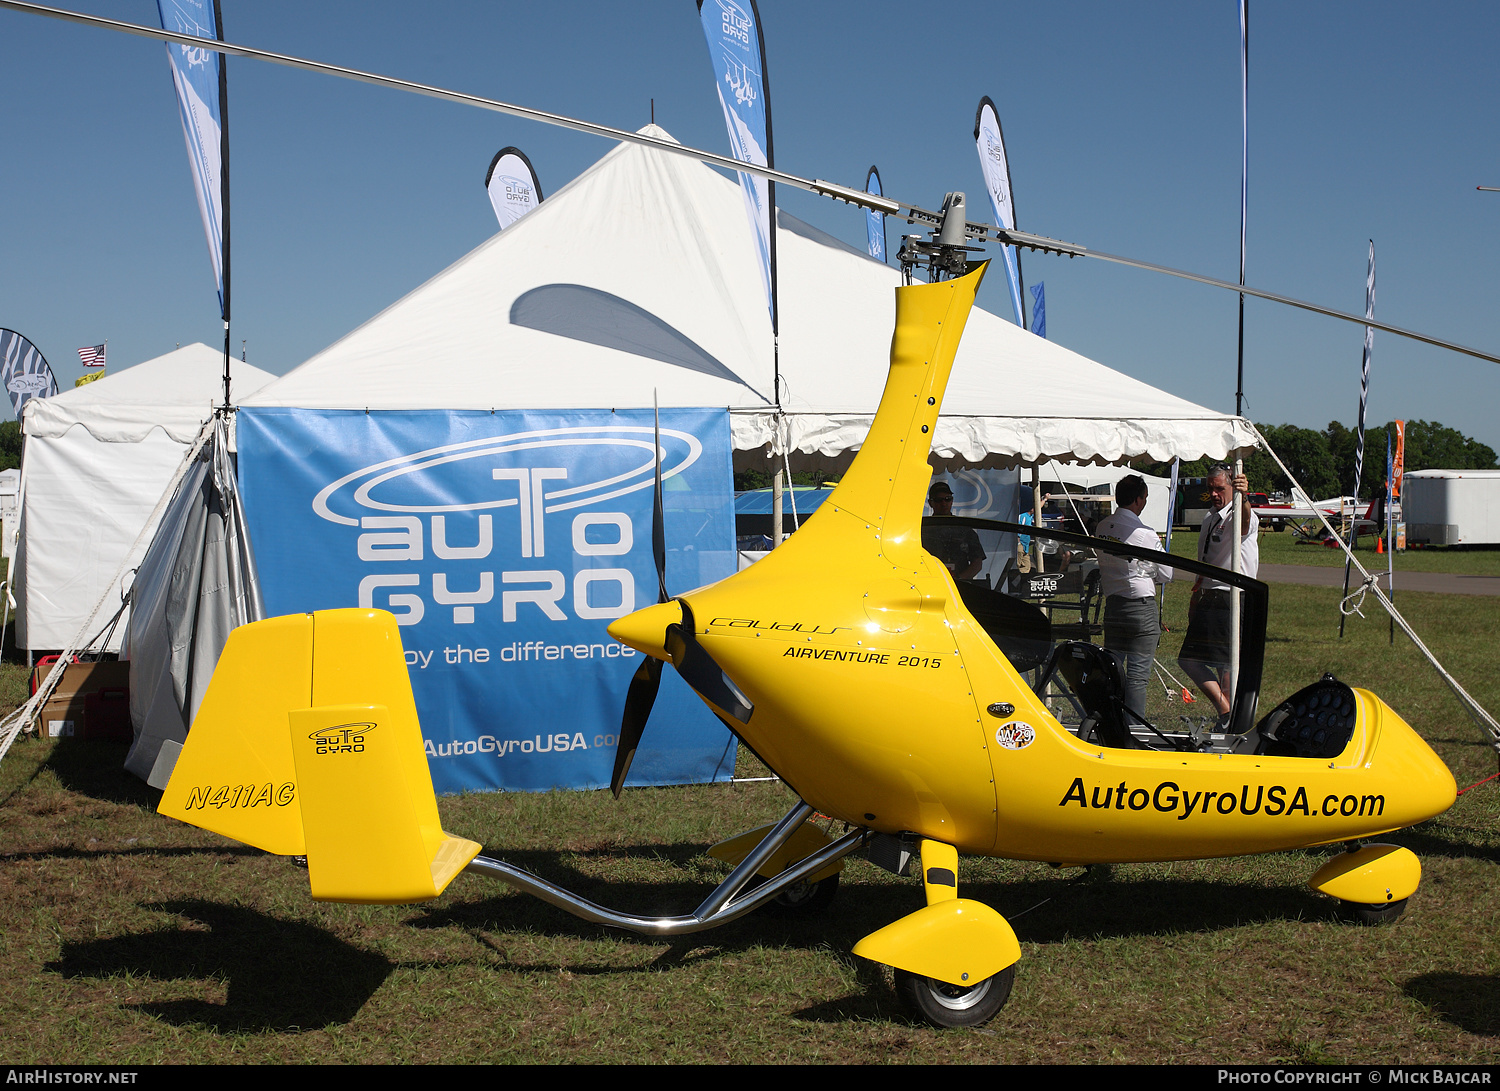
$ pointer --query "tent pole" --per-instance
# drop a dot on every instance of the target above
(777, 483)
(226, 363)
(1239, 381)
(1036, 516)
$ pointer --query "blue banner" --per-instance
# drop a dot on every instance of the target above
(1039, 308)
(736, 50)
(504, 543)
(993, 162)
(196, 76)
(1364, 370)
(875, 221)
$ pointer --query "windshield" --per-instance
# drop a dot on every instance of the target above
(1046, 611)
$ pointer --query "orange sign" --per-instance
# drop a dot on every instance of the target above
(1398, 460)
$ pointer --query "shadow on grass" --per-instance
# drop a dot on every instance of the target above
(282, 975)
(1429, 839)
(1468, 1001)
(1063, 910)
(875, 1002)
(146, 851)
(97, 770)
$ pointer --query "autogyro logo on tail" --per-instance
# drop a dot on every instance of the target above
(497, 526)
(343, 739)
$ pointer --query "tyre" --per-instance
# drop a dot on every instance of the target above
(802, 899)
(1376, 913)
(945, 1005)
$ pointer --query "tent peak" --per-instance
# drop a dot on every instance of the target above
(653, 129)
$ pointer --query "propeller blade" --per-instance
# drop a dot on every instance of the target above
(646, 681)
(638, 701)
(699, 670)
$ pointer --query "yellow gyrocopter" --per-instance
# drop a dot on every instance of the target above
(887, 696)
(884, 694)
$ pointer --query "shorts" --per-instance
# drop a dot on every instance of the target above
(1207, 639)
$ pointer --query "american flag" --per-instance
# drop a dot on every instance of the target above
(92, 356)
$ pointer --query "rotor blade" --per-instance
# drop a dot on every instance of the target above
(910, 213)
(827, 189)
(638, 701)
(699, 670)
(1039, 242)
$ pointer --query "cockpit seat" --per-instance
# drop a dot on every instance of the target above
(1020, 630)
(1093, 675)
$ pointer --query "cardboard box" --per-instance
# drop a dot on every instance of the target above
(92, 701)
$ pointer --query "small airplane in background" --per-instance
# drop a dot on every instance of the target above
(1302, 514)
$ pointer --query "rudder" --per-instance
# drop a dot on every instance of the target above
(319, 707)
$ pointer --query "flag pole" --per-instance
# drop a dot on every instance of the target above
(1239, 388)
(1364, 397)
(224, 187)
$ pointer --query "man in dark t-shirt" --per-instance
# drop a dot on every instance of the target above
(957, 547)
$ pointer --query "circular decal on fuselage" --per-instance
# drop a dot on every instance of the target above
(1016, 735)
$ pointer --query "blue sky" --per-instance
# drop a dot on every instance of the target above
(1368, 120)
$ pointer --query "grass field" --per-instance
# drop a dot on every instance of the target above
(129, 938)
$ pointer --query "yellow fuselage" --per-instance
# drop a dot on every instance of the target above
(873, 686)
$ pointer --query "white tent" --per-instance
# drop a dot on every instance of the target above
(97, 460)
(10, 509)
(640, 277)
(1102, 480)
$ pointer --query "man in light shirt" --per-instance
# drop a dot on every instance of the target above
(1205, 649)
(1132, 626)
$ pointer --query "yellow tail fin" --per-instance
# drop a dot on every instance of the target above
(307, 742)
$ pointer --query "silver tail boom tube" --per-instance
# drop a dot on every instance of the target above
(720, 907)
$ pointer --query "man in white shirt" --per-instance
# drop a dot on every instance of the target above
(1205, 649)
(1132, 626)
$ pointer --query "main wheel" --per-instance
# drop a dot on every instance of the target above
(1376, 913)
(803, 899)
(945, 1005)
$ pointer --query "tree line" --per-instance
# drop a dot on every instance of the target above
(1323, 461)
(10, 445)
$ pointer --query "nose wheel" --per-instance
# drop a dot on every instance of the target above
(1371, 882)
(945, 1005)
(1376, 913)
(955, 959)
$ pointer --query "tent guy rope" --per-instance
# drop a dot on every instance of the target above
(21, 718)
(1476, 711)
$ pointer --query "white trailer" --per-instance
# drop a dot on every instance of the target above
(1452, 507)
